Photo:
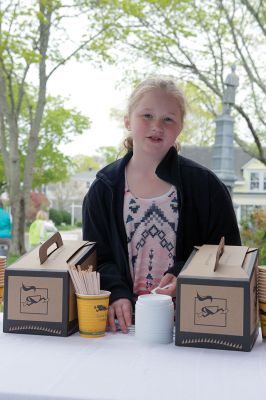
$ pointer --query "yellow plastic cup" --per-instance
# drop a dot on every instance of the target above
(92, 314)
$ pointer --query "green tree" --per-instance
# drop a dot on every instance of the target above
(34, 44)
(108, 154)
(199, 125)
(58, 126)
(253, 232)
(197, 42)
(82, 163)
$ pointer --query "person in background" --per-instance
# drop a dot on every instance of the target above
(40, 229)
(147, 210)
(5, 230)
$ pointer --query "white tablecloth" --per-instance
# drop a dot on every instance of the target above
(118, 367)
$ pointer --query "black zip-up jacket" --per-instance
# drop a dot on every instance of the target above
(205, 215)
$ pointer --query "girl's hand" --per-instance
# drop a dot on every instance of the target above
(168, 280)
(121, 310)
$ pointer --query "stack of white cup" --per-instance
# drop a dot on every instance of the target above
(154, 318)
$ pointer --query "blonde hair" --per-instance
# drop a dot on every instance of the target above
(42, 215)
(146, 86)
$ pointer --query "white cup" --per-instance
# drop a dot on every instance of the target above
(154, 318)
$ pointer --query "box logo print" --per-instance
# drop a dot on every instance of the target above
(33, 300)
(210, 311)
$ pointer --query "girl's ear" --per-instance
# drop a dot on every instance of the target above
(126, 122)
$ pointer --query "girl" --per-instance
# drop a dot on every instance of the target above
(147, 210)
(40, 229)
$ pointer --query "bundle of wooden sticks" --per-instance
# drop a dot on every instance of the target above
(85, 281)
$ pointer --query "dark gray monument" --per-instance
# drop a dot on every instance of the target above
(223, 149)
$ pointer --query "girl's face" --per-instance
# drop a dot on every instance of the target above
(155, 123)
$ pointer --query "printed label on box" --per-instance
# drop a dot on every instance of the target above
(211, 309)
(35, 298)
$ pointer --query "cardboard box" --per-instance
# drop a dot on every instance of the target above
(39, 295)
(216, 304)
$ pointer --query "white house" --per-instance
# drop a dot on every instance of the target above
(69, 195)
(249, 191)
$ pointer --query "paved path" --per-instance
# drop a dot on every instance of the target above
(75, 234)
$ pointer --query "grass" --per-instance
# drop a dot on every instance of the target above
(67, 227)
(11, 259)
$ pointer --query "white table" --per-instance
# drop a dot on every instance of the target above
(118, 367)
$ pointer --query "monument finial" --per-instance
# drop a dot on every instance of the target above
(230, 84)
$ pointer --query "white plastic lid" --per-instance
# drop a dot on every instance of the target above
(154, 299)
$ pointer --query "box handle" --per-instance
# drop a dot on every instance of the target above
(219, 253)
(55, 239)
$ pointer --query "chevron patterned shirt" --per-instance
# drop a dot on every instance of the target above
(151, 226)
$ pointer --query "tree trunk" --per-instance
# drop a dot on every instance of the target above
(21, 235)
(17, 203)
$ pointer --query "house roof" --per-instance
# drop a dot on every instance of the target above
(203, 156)
(199, 154)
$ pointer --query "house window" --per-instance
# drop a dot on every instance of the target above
(257, 181)
(254, 181)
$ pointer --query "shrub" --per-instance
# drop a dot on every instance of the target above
(253, 233)
(66, 217)
(258, 217)
(60, 217)
(56, 216)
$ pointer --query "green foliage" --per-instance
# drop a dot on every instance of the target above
(34, 43)
(11, 259)
(51, 166)
(108, 154)
(59, 125)
(56, 216)
(60, 216)
(199, 125)
(253, 233)
(66, 217)
(198, 42)
(82, 163)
